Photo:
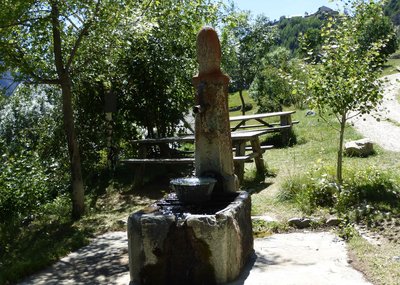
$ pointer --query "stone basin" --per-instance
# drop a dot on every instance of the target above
(175, 243)
(193, 190)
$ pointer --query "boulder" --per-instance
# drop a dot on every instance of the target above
(299, 223)
(333, 222)
(362, 148)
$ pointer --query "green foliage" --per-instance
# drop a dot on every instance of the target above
(30, 172)
(244, 43)
(362, 190)
(291, 29)
(282, 81)
(345, 82)
(154, 85)
(392, 10)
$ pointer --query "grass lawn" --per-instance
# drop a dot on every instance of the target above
(392, 64)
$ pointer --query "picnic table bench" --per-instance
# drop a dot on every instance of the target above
(239, 141)
(241, 134)
(284, 125)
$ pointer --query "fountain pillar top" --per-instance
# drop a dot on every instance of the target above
(208, 51)
(213, 152)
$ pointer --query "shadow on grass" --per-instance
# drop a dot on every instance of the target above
(257, 183)
(276, 139)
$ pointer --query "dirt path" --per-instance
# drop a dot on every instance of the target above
(386, 131)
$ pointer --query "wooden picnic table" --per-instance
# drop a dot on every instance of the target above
(239, 141)
(283, 126)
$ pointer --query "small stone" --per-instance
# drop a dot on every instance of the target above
(333, 222)
(121, 222)
(299, 223)
(396, 258)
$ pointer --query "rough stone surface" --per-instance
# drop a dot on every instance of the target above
(300, 259)
(189, 248)
(299, 223)
(103, 261)
(333, 222)
(363, 148)
(212, 128)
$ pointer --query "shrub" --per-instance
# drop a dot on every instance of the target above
(370, 188)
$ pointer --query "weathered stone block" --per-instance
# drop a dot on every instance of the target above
(363, 148)
(190, 248)
(299, 223)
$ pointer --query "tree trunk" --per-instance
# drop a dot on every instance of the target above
(78, 190)
(78, 201)
(339, 170)
(243, 103)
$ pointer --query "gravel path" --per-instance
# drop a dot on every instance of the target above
(385, 132)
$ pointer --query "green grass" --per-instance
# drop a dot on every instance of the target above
(234, 100)
(391, 65)
(377, 261)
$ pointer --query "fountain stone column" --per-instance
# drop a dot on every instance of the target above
(213, 141)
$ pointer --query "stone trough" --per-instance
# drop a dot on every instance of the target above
(176, 244)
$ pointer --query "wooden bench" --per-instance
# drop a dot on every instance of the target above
(262, 147)
(182, 160)
(273, 126)
(142, 162)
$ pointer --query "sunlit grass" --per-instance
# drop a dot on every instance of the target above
(378, 261)
(392, 66)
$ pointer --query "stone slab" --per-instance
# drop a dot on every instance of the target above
(300, 259)
(103, 261)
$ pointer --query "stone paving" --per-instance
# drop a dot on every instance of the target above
(103, 261)
(300, 258)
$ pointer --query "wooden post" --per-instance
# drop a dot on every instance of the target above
(139, 170)
(255, 144)
(286, 120)
(239, 165)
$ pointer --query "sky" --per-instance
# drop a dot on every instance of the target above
(274, 9)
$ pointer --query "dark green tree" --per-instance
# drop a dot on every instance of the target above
(157, 69)
(54, 42)
(244, 44)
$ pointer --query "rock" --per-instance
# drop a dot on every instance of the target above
(333, 222)
(362, 148)
(299, 223)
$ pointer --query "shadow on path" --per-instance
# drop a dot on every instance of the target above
(103, 261)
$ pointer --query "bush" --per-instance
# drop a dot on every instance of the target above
(23, 186)
(371, 188)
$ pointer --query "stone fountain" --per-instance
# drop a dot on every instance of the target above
(179, 242)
